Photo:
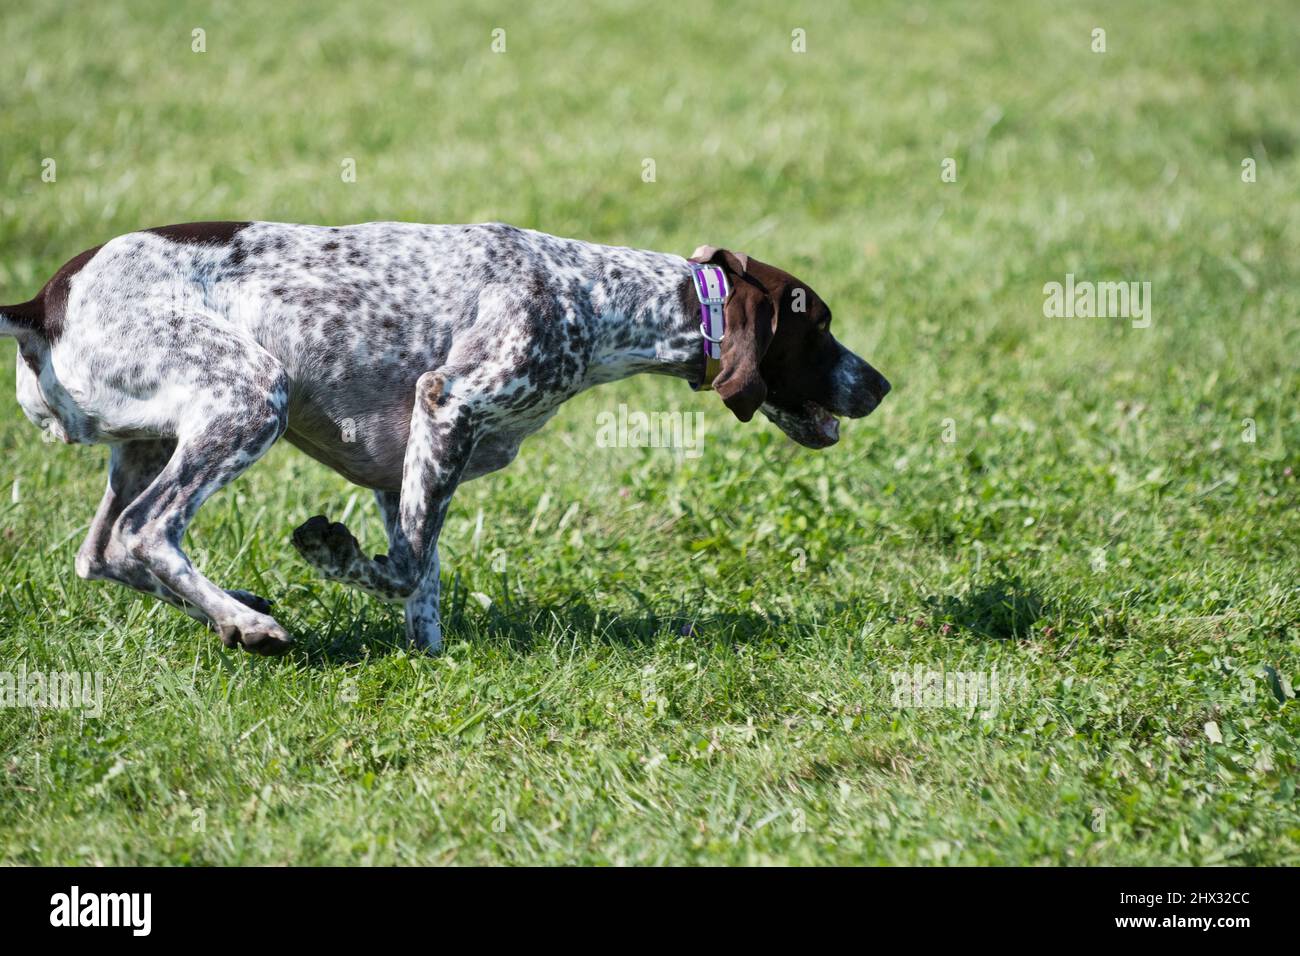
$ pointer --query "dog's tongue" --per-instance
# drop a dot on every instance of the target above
(828, 425)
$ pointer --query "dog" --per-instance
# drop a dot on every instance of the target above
(409, 358)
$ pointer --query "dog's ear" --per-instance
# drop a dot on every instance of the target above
(712, 255)
(750, 316)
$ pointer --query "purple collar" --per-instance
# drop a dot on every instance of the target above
(711, 289)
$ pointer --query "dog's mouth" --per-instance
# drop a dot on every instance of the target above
(812, 426)
(827, 426)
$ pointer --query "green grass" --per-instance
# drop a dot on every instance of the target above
(1098, 531)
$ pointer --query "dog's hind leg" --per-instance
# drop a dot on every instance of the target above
(132, 465)
(211, 451)
(439, 446)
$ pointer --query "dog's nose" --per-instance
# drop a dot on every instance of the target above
(883, 387)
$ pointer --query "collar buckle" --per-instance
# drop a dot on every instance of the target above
(703, 288)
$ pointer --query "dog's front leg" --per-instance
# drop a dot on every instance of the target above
(423, 620)
(438, 448)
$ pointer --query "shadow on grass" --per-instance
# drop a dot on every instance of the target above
(1004, 608)
(520, 625)
(356, 628)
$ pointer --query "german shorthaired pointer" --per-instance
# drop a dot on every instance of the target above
(408, 358)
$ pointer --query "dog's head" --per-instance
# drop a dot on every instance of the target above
(779, 356)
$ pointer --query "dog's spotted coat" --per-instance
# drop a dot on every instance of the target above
(409, 358)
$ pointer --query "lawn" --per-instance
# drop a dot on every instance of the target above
(653, 657)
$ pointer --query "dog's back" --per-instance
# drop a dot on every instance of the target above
(353, 315)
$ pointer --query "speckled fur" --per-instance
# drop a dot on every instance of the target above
(408, 358)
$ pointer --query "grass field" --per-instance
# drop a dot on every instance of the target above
(654, 658)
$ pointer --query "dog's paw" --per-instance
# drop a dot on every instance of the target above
(264, 637)
(247, 598)
(329, 546)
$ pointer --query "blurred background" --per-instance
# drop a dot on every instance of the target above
(812, 138)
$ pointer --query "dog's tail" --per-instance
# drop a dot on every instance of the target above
(25, 318)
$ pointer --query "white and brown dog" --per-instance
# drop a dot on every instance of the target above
(408, 358)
